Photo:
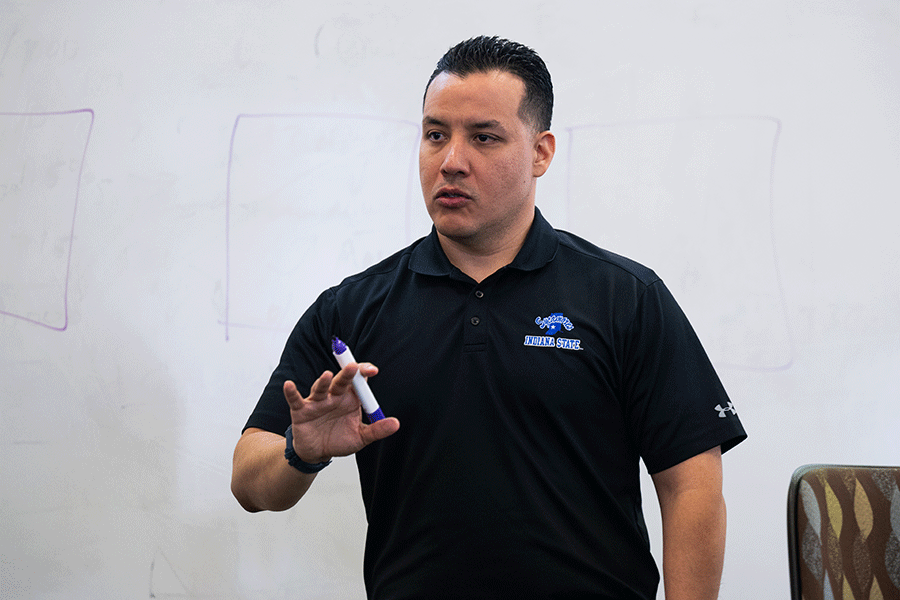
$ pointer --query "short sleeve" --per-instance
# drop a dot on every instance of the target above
(676, 405)
(305, 357)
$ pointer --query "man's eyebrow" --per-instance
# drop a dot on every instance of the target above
(489, 124)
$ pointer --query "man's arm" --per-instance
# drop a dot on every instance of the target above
(693, 523)
(261, 478)
(326, 424)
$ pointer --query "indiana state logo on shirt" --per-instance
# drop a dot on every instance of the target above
(555, 323)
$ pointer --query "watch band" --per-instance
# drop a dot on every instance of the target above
(295, 461)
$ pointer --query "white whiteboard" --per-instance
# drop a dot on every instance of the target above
(171, 172)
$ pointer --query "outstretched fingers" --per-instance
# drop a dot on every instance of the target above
(318, 395)
(330, 417)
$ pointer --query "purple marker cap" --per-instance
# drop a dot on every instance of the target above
(337, 346)
(375, 416)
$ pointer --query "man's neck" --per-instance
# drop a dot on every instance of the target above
(480, 261)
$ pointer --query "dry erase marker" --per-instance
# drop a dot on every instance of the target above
(366, 397)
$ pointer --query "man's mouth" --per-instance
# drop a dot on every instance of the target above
(452, 197)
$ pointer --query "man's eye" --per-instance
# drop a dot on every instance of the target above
(484, 138)
(434, 136)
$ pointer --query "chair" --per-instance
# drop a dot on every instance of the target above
(844, 533)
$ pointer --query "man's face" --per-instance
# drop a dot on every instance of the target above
(478, 161)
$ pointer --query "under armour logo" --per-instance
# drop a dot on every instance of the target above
(722, 411)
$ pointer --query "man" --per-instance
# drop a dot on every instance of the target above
(531, 370)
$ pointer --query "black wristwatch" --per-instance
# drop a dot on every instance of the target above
(295, 461)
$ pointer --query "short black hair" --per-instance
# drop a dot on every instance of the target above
(483, 54)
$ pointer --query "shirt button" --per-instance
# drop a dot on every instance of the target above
(475, 321)
(479, 294)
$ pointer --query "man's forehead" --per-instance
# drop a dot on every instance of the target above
(490, 78)
(479, 98)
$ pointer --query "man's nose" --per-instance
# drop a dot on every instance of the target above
(455, 159)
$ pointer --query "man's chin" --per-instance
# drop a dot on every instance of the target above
(453, 225)
(459, 236)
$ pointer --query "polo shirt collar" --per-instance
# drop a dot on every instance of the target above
(540, 247)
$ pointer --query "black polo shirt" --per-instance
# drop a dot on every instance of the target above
(526, 403)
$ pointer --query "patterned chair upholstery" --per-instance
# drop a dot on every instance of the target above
(844, 533)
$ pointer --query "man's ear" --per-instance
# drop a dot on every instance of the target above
(544, 149)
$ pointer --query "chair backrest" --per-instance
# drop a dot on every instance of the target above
(844, 533)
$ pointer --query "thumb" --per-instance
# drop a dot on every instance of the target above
(379, 430)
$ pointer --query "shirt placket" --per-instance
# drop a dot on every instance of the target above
(476, 322)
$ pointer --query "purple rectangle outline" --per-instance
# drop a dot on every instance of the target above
(673, 120)
(74, 212)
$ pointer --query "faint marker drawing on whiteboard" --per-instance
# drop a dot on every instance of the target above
(692, 199)
(312, 198)
(41, 162)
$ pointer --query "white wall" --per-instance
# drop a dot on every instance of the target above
(173, 176)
